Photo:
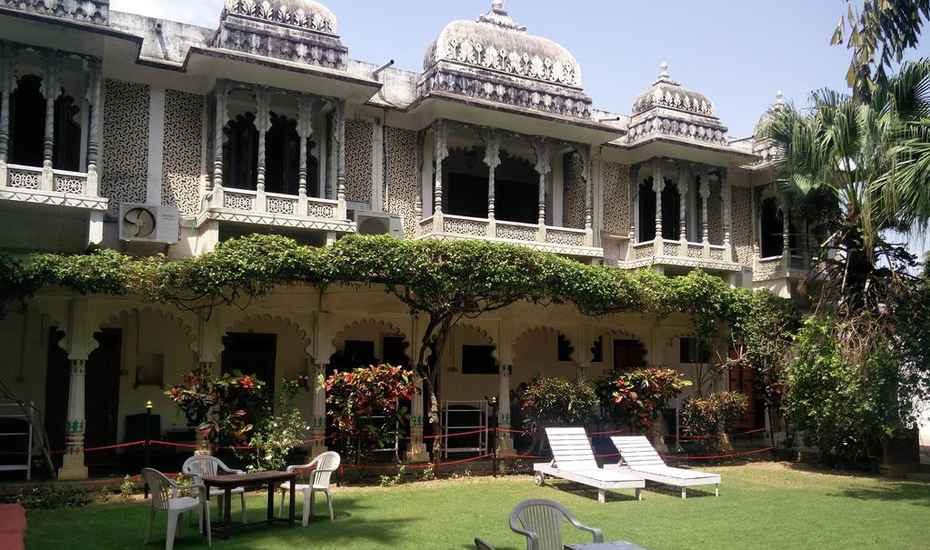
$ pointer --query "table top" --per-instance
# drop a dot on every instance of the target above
(238, 480)
(620, 545)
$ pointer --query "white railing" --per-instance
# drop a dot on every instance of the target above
(275, 204)
(36, 178)
(565, 236)
(669, 249)
(23, 177)
(72, 183)
(641, 251)
(425, 227)
(464, 225)
(515, 231)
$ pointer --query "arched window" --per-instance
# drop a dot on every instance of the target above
(772, 227)
(282, 156)
(27, 122)
(647, 211)
(671, 212)
(67, 150)
(240, 152)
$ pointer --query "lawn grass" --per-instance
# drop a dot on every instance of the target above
(761, 506)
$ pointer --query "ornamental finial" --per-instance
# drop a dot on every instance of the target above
(497, 6)
(663, 71)
(779, 98)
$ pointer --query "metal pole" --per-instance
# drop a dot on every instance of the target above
(148, 439)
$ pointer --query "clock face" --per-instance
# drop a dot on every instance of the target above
(140, 223)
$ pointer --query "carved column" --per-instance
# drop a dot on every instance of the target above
(73, 467)
(416, 452)
(441, 152)
(51, 91)
(95, 100)
(785, 236)
(683, 210)
(262, 124)
(318, 423)
(219, 137)
(305, 132)
(340, 134)
(705, 195)
(6, 89)
(588, 196)
(658, 186)
(543, 168)
(492, 158)
(727, 199)
(505, 438)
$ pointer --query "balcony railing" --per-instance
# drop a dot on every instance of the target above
(669, 252)
(277, 209)
(52, 187)
(765, 269)
(562, 240)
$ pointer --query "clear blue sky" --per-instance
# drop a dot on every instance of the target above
(739, 53)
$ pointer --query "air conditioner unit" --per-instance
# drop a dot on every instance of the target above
(148, 223)
(378, 223)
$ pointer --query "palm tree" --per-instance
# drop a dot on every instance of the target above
(871, 155)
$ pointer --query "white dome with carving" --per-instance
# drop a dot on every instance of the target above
(305, 14)
(496, 42)
(666, 92)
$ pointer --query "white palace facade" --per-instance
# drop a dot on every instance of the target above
(151, 136)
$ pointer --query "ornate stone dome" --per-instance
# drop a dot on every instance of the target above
(301, 31)
(304, 14)
(496, 59)
(666, 92)
(496, 42)
(773, 108)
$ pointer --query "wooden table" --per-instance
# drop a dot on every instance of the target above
(272, 480)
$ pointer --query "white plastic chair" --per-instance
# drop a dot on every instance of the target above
(165, 499)
(198, 466)
(323, 467)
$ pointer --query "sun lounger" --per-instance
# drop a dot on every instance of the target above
(637, 454)
(573, 460)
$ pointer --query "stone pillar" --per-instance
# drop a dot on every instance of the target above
(441, 152)
(416, 452)
(504, 437)
(318, 423)
(73, 467)
(492, 159)
(588, 196)
(94, 98)
(51, 91)
(683, 210)
(6, 89)
(219, 136)
(262, 124)
(727, 199)
(705, 195)
(543, 168)
(305, 132)
(658, 186)
(785, 237)
(340, 135)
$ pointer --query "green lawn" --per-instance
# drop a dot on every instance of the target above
(761, 506)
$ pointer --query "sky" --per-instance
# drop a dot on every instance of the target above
(739, 53)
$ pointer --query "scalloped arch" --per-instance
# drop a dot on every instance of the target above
(164, 313)
(484, 334)
(384, 327)
(304, 334)
(542, 329)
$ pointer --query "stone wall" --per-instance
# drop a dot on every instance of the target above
(400, 170)
(358, 160)
(573, 196)
(182, 151)
(615, 181)
(741, 216)
(125, 143)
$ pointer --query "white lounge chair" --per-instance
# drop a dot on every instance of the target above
(637, 454)
(573, 460)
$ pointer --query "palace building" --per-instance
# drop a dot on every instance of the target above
(151, 136)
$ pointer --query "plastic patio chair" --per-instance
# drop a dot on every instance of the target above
(482, 545)
(323, 467)
(206, 465)
(540, 521)
(165, 498)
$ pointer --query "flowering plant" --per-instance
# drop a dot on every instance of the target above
(278, 432)
(643, 393)
(221, 408)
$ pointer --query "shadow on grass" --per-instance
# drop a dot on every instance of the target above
(914, 493)
(675, 492)
(584, 491)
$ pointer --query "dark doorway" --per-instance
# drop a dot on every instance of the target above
(67, 151)
(647, 212)
(282, 156)
(671, 212)
(359, 353)
(27, 122)
(395, 351)
(743, 380)
(629, 355)
(252, 355)
(240, 152)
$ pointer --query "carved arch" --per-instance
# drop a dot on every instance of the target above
(305, 335)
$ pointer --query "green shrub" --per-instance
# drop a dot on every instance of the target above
(54, 497)
(643, 393)
(557, 402)
(709, 418)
